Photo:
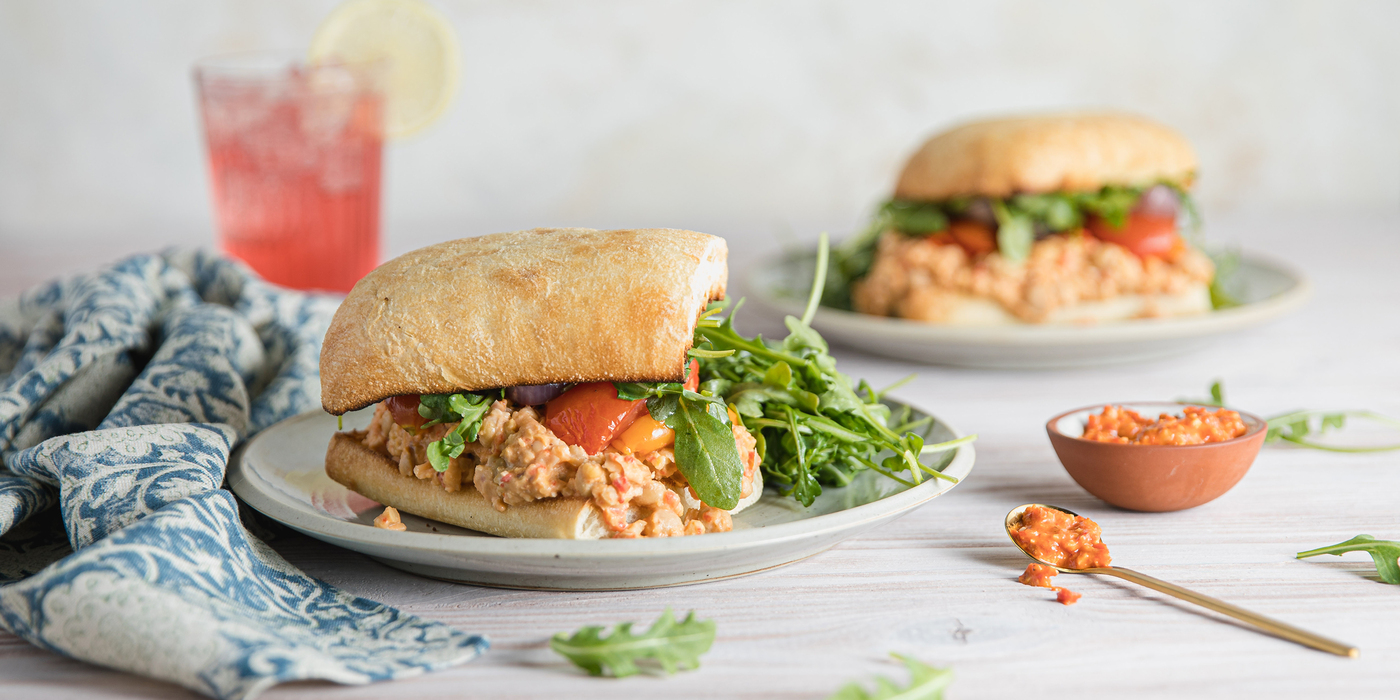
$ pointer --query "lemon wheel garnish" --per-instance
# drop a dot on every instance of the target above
(412, 42)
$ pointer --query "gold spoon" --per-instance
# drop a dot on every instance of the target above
(1266, 624)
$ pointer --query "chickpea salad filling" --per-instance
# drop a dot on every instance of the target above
(517, 459)
(1031, 255)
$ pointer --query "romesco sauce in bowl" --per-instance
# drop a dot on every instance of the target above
(1156, 456)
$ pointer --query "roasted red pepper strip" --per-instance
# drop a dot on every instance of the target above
(590, 415)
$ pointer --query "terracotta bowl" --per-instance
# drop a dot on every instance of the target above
(1155, 478)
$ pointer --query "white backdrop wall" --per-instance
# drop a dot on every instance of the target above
(755, 120)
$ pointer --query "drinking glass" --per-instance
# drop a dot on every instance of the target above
(294, 166)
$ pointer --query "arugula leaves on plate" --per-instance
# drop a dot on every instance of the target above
(1384, 552)
(669, 643)
(813, 426)
(925, 683)
(1296, 427)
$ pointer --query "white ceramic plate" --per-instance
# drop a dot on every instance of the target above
(281, 474)
(1267, 289)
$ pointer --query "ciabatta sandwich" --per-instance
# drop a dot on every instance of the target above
(513, 374)
(1069, 218)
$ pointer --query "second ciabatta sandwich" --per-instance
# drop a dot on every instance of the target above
(1063, 218)
(526, 383)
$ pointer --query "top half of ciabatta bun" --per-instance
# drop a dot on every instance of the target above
(526, 307)
(1046, 153)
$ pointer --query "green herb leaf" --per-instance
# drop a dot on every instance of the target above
(779, 375)
(636, 391)
(1015, 232)
(1055, 210)
(801, 336)
(1385, 553)
(1295, 428)
(671, 644)
(925, 683)
(1225, 290)
(1112, 203)
(915, 217)
(466, 409)
(662, 407)
(705, 450)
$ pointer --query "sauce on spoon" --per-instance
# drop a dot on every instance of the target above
(1061, 539)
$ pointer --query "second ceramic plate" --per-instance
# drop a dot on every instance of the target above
(281, 473)
(1267, 289)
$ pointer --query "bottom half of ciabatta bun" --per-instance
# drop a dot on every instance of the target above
(967, 310)
(372, 475)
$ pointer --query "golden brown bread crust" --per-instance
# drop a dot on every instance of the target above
(526, 307)
(370, 474)
(1046, 153)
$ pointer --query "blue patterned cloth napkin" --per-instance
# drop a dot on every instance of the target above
(121, 395)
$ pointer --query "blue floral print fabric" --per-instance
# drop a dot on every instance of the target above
(122, 394)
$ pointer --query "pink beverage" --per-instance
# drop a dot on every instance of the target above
(294, 167)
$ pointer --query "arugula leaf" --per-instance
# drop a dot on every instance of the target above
(705, 449)
(1385, 553)
(1224, 286)
(1295, 426)
(1112, 203)
(673, 645)
(1015, 232)
(915, 217)
(925, 683)
(467, 409)
(635, 391)
(1057, 211)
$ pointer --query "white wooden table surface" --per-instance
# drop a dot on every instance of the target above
(940, 584)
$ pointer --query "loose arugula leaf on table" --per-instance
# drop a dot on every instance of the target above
(1296, 426)
(671, 644)
(466, 409)
(1385, 553)
(925, 683)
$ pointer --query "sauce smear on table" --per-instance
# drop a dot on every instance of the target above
(1040, 575)
(1197, 426)
(1069, 541)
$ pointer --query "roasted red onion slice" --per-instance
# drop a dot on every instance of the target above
(1158, 201)
(534, 394)
(980, 210)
